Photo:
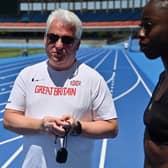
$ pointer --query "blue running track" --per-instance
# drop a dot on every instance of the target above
(130, 78)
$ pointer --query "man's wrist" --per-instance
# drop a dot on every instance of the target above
(44, 127)
(77, 129)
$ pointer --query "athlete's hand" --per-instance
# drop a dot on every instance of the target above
(54, 126)
(69, 120)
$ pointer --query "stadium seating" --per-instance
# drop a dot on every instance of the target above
(87, 16)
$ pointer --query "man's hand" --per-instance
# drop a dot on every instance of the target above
(57, 126)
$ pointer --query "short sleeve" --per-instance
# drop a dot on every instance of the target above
(103, 104)
(16, 99)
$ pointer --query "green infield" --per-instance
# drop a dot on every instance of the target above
(15, 52)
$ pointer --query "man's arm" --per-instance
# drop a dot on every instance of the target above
(94, 129)
(100, 129)
(16, 121)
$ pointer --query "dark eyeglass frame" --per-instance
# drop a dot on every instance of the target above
(53, 38)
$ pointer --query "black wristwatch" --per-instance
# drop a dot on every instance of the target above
(77, 129)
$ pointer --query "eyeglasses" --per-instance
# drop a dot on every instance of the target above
(65, 39)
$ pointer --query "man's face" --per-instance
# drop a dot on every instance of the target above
(61, 45)
(154, 31)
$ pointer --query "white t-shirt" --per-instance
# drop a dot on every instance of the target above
(41, 91)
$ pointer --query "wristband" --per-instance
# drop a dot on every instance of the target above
(77, 129)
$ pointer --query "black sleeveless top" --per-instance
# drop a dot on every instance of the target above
(156, 116)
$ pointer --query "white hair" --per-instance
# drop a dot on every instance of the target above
(67, 17)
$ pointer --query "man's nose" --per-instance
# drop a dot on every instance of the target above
(59, 43)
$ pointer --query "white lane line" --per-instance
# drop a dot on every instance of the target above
(136, 84)
(103, 153)
(1, 111)
(140, 78)
(12, 69)
(5, 92)
(128, 91)
(6, 83)
(93, 57)
(8, 76)
(104, 141)
(114, 68)
(11, 140)
(103, 59)
(10, 160)
(20, 65)
(88, 54)
(3, 103)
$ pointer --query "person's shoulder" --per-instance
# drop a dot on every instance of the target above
(34, 68)
(89, 71)
(90, 75)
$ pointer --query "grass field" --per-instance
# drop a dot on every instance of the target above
(14, 52)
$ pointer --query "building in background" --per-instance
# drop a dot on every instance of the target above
(82, 5)
(111, 20)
